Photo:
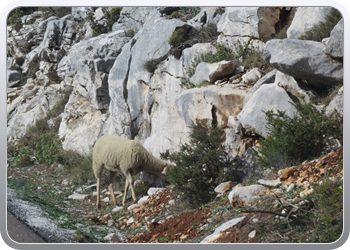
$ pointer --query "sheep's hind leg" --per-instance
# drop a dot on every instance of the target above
(98, 202)
(98, 172)
(125, 191)
(110, 186)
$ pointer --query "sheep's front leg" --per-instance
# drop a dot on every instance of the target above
(110, 186)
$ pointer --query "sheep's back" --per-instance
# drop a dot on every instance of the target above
(112, 151)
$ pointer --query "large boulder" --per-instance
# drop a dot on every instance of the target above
(267, 97)
(81, 125)
(13, 78)
(334, 47)
(296, 88)
(31, 104)
(210, 105)
(211, 72)
(87, 65)
(304, 60)
(305, 19)
(245, 195)
(255, 22)
(129, 81)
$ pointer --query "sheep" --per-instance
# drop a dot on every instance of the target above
(118, 154)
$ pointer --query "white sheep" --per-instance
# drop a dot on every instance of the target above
(119, 154)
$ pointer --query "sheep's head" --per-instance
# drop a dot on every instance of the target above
(166, 168)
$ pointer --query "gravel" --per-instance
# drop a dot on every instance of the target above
(36, 219)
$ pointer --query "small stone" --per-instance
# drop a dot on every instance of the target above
(252, 234)
(223, 187)
(290, 187)
(105, 199)
(130, 221)
(116, 209)
(77, 196)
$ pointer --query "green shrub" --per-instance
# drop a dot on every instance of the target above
(323, 29)
(179, 36)
(47, 148)
(185, 13)
(151, 65)
(55, 11)
(130, 33)
(328, 210)
(113, 16)
(14, 17)
(199, 165)
(222, 53)
(293, 140)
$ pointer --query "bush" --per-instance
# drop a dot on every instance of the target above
(112, 16)
(179, 36)
(294, 140)
(185, 13)
(55, 11)
(199, 165)
(14, 18)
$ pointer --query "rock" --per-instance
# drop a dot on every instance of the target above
(115, 237)
(143, 199)
(13, 78)
(286, 173)
(30, 106)
(87, 66)
(130, 221)
(335, 107)
(77, 196)
(211, 238)
(305, 19)
(266, 79)
(116, 209)
(252, 116)
(211, 72)
(252, 76)
(290, 187)
(304, 60)
(252, 234)
(246, 194)
(223, 187)
(81, 125)
(106, 199)
(190, 54)
(296, 88)
(81, 13)
(210, 104)
(271, 183)
(152, 179)
(152, 191)
(334, 47)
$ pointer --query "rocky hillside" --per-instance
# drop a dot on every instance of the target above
(152, 73)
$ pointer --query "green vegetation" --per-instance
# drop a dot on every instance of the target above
(111, 15)
(293, 140)
(41, 145)
(327, 213)
(179, 36)
(246, 55)
(14, 17)
(55, 11)
(185, 13)
(199, 165)
(323, 29)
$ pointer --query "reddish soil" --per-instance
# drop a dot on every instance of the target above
(175, 229)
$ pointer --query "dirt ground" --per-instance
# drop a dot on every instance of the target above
(155, 222)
